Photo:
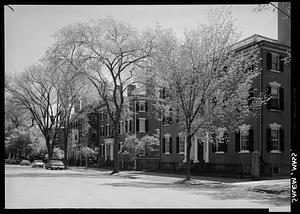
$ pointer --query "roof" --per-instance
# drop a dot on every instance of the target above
(252, 39)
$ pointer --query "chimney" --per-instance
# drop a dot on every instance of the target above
(284, 23)
(130, 88)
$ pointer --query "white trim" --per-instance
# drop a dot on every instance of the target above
(275, 152)
(181, 153)
(275, 126)
(244, 152)
(219, 153)
(275, 110)
(244, 127)
(275, 71)
(167, 153)
(275, 84)
(167, 135)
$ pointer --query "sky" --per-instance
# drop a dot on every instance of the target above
(29, 29)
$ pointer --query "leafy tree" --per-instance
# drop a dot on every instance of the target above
(207, 82)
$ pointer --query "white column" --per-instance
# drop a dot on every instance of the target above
(196, 151)
(105, 144)
(185, 148)
(111, 150)
(206, 154)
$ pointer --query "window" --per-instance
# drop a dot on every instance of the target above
(167, 145)
(102, 131)
(276, 96)
(181, 144)
(128, 125)
(142, 106)
(221, 142)
(275, 139)
(107, 129)
(244, 140)
(142, 124)
(275, 62)
(101, 116)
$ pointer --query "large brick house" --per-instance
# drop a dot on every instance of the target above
(269, 134)
(141, 123)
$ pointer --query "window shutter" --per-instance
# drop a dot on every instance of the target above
(177, 144)
(130, 125)
(214, 149)
(251, 146)
(137, 123)
(163, 145)
(268, 140)
(126, 126)
(146, 125)
(119, 146)
(171, 145)
(224, 147)
(237, 141)
(281, 63)
(281, 99)
(281, 142)
(137, 106)
(269, 101)
(163, 120)
(146, 106)
(119, 127)
(269, 61)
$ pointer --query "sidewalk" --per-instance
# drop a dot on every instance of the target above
(267, 184)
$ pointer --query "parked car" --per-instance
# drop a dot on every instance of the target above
(25, 163)
(55, 164)
(38, 163)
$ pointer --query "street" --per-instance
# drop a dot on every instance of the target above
(27, 187)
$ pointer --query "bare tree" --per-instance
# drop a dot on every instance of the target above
(34, 91)
(108, 53)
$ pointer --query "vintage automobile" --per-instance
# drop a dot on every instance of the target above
(55, 164)
(25, 163)
(38, 163)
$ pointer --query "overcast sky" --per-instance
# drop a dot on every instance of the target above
(29, 28)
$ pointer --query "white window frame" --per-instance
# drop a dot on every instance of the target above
(140, 124)
(244, 129)
(167, 147)
(275, 86)
(142, 103)
(275, 127)
(102, 116)
(181, 143)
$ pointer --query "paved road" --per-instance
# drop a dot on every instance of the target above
(27, 187)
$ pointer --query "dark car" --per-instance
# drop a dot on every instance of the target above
(38, 163)
(55, 164)
(25, 163)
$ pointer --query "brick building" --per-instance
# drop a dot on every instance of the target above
(141, 123)
(269, 134)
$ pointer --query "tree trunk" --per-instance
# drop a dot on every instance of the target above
(188, 157)
(116, 168)
(66, 132)
(86, 161)
(49, 148)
